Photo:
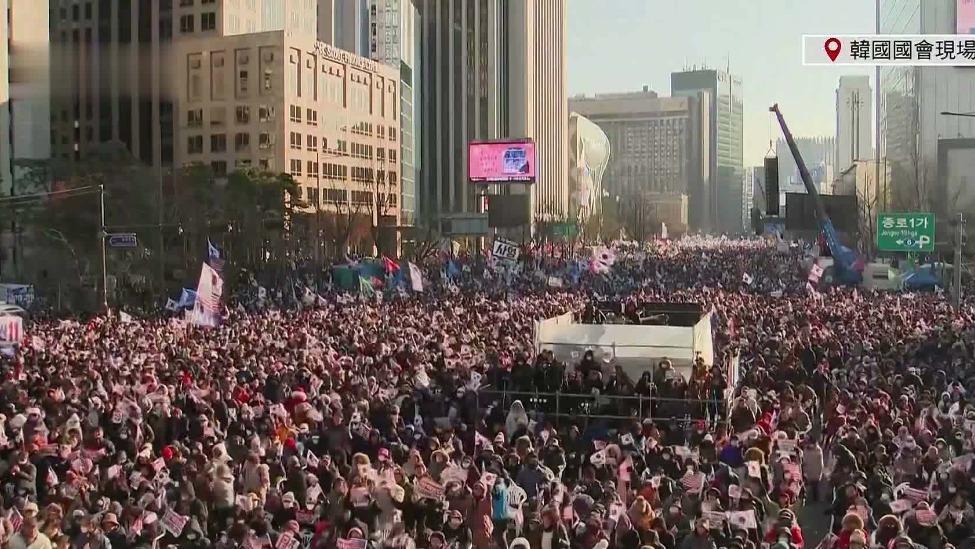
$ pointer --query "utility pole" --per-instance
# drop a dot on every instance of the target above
(102, 235)
(959, 236)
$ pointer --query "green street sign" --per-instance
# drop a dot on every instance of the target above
(905, 232)
(565, 229)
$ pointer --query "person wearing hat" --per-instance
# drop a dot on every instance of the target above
(786, 520)
(110, 527)
(851, 523)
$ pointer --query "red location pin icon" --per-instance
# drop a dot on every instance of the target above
(833, 47)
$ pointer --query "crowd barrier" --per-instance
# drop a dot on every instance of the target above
(559, 406)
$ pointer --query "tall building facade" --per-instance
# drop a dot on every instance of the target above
(394, 41)
(658, 146)
(112, 58)
(589, 152)
(911, 102)
(464, 76)
(725, 142)
(818, 155)
(538, 101)
(854, 120)
(350, 25)
(25, 111)
(328, 117)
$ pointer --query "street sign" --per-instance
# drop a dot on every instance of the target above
(905, 232)
(565, 229)
(123, 240)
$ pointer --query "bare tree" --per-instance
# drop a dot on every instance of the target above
(341, 219)
(381, 186)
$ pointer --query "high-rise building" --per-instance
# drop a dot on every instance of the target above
(394, 41)
(350, 20)
(817, 153)
(112, 59)
(589, 151)
(658, 144)
(25, 112)
(537, 97)
(915, 137)
(328, 117)
(725, 142)
(464, 76)
(854, 120)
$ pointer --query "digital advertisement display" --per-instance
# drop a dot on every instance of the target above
(501, 161)
(966, 17)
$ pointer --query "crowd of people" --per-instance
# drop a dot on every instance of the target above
(389, 421)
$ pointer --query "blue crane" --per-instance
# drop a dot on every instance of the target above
(847, 267)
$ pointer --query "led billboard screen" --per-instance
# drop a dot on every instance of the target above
(501, 161)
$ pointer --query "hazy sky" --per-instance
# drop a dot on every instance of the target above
(622, 45)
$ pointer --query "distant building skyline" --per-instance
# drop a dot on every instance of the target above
(725, 141)
(658, 146)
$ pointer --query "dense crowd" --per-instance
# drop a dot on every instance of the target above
(389, 421)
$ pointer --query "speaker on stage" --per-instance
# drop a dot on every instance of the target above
(771, 186)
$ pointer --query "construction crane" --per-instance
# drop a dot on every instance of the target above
(847, 267)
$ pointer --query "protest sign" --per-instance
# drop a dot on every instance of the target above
(174, 523)
(429, 488)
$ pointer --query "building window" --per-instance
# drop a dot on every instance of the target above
(218, 143)
(312, 169)
(219, 167)
(186, 23)
(264, 141)
(312, 116)
(295, 140)
(265, 113)
(185, 3)
(295, 112)
(194, 144)
(311, 142)
(313, 195)
(242, 82)
(295, 167)
(242, 142)
(194, 118)
(208, 21)
(243, 115)
(218, 116)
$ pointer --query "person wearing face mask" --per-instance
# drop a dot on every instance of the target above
(889, 527)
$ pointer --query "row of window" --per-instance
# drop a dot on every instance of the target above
(359, 150)
(341, 196)
(187, 22)
(218, 142)
(218, 116)
(339, 172)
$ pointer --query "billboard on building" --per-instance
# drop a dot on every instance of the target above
(966, 17)
(506, 161)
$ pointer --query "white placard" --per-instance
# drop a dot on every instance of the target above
(505, 250)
